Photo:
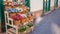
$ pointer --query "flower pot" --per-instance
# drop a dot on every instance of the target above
(12, 14)
(26, 9)
(17, 22)
(5, 3)
(10, 3)
(7, 7)
(30, 18)
(24, 21)
(27, 19)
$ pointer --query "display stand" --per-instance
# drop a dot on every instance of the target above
(12, 28)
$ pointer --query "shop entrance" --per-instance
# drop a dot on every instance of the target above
(46, 6)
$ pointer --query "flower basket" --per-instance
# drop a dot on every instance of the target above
(4, 2)
(25, 21)
(12, 14)
(17, 22)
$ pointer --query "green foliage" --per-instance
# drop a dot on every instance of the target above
(22, 29)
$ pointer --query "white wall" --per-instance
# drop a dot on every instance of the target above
(58, 1)
(36, 5)
(52, 2)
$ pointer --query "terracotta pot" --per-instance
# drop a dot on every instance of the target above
(30, 18)
(17, 22)
(23, 20)
(27, 19)
(12, 14)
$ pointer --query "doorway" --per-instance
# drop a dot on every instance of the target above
(46, 6)
(55, 4)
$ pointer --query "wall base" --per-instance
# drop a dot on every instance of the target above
(59, 5)
(38, 13)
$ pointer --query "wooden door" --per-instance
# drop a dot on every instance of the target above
(46, 6)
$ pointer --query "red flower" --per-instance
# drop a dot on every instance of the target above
(16, 17)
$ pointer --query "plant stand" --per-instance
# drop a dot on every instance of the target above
(13, 28)
(18, 19)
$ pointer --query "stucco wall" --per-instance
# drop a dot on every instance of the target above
(58, 1)
(36, 5)
(52, 2)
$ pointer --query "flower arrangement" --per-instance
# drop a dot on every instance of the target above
(17, 19)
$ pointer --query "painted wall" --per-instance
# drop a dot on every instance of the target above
(59, 2)
(36, 5)
(52, 3)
